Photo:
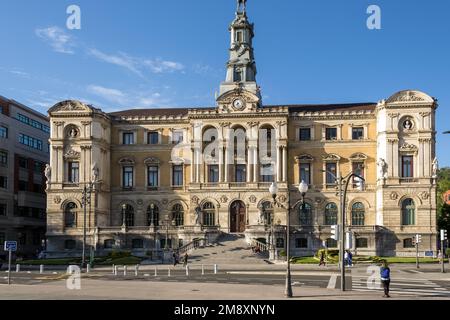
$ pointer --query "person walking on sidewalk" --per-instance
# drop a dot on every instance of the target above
(322, 259)
(385, 273)
(185, 259)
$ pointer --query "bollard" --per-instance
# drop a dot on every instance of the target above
(124, 270)
(203, 270)
(187, 270)
(116, 270)
(168, 271)
(17, 268)
(136, 270)
(215, 269)
(88, 268)
(41, 269)
(156, 271)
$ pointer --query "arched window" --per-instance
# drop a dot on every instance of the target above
(153, 215)
(408, 212)
(209, 214)
(109, 243)
(178, 214)
(70, 244)
(358, 214)
(70, 215)
(128, 210)
(305, 214)
(267, 212)
(331, 210)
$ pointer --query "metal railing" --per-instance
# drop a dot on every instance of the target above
(263, 247)
(193, 245)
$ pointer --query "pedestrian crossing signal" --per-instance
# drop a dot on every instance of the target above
(444, 235)
(418, 239)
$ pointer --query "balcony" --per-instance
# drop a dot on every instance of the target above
(408, 180)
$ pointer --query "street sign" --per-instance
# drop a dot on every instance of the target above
(429, 254)
(10, 246)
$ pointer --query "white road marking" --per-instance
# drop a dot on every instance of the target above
(332, 282)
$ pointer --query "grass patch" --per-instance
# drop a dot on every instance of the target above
(366, 259)
(50, 262)
(304, 260)
(120, 261)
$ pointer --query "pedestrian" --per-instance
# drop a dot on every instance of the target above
(322, 259)
(175, 258)
(346, 258)
(385, 273)
(185, 259)
(350, 258)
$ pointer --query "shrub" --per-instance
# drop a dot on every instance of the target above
(119, 254)
(448, 252)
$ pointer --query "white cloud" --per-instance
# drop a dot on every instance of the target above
(137, 65)
(20, 74)
(112, 95)
(56, 37)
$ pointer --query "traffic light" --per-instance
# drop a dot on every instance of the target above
(444, 235)
(335, 232)
(418, 239)
(348, 241)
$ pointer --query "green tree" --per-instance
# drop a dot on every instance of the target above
(444, 217)
(443, 210)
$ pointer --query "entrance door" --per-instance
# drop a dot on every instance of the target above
(237, 217)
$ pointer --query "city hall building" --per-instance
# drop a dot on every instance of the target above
(161, 178)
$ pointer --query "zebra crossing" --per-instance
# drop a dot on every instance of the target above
(401, 285)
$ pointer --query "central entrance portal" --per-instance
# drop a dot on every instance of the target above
(237, 217)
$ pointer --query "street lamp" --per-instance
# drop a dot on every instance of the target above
(86, 200)
(273, 189)
(124, 213)
(343, 183)
(152, 217)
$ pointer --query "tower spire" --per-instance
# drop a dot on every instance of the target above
(241, 67)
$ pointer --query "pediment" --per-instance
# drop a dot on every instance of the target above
(230, 101)
(410, 96)
(331, 157)
(69, 106)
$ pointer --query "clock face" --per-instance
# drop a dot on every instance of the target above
(238, 104)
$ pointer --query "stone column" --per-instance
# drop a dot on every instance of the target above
(278, 179)
(285, 163)
(226, 165)
(249, 163)
(192, 165)
(255, 166)
(221, 163)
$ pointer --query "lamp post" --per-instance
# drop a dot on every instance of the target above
(124, 213)
(152, 216)
(86, 200)
(273, 189)
(343, 183)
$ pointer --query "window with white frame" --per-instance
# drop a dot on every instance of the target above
(153, 176)
(3, 132)
(128, 138)
(127, 177)
(3, 158)
(153, 137)
(177, 175)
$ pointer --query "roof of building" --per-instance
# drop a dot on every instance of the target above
(157, 112)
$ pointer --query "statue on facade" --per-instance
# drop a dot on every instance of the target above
(382, 167)
(242, 6)
(435, 167)
(198, 212)
(95, 173)
(48, 173)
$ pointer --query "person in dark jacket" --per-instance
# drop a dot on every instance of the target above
(322, 259)
(385, 273)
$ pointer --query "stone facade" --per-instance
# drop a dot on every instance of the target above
(179, 174)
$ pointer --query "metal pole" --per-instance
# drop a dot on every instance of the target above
(83, 255)
(442, 256)
(417, 252)
(9, 266)
(342, 195)
(288, 292)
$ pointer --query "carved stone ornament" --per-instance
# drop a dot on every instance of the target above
(165, 202)
(408, 96)
(223, 199)
(252, 199)
(72, 154)
(69, 105)
(331, 157)
(304, 158)
(424, 195)
(140, 202)
(408, 147)
(57, 199)
(282, 198)
(195, 200)
(408, 124)
(318, 200)
(394, 196)
(358, 157)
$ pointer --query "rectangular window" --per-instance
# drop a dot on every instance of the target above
(128, 177)
(305, 172)
(213, 173)
(361, 243)
(153, 179)
(3, 132)
(23, 185)
(3, 182)
(331, 174)
(33, 123)
(267, 173)
(128, 138)
(177, 176)
(177, 137)
(153, 138)
(30, 141)
(331, 133)
(3, 158)
(23, 119)
(3, 209)
(38, 167)
(357, 133)
(241, 173)
(301, 243)
(305, 134)
(407, 167)
(74, 172)
(239, 36)
(23, 163)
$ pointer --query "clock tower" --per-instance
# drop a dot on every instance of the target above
(241, 67)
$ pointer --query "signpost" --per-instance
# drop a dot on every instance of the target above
(10, 246)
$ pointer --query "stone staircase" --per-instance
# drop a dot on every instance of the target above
(229, 249)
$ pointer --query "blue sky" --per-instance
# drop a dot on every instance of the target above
(151, 54)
